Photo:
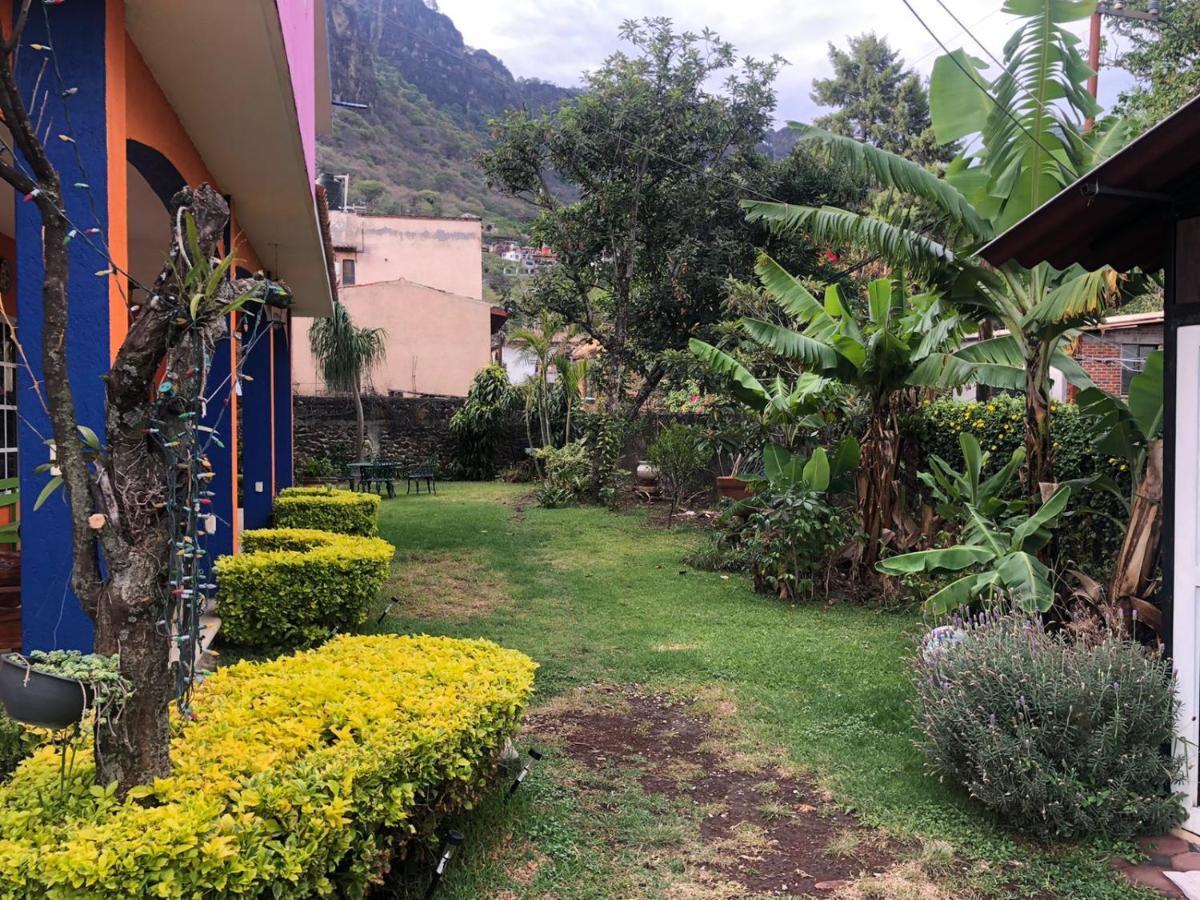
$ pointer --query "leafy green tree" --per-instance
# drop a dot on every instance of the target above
(878, 101)
(658, 160)
(1164, 59)
(895, 344)
(346, 354)
(1025, 148)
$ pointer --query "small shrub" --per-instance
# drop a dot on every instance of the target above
(294, 587)
(680, 455)
(481, 424)
(316, 467)
(328, 509)
(568, 473)
(788, 542)
(1059, 737)
(300, 777)
(13, 745)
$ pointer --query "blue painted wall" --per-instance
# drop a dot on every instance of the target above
(256, 425)
(51, 615)
(223, 459)
(283, 405)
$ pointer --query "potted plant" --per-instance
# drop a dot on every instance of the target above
(732, 441)
(54, 689)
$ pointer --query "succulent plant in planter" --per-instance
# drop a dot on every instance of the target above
(54, 689)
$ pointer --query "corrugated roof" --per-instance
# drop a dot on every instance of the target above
(1119, 214)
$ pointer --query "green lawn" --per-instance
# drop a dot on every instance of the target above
(600, 597)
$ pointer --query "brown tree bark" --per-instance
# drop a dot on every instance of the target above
(1135, 563)
(877, 474)
(1039, 453)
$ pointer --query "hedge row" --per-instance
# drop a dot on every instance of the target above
(293, 587)
(298, 778)
(328, 509)
(999, 424)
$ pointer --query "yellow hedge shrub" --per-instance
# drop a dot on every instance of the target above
(297, 779)
(293, 587)
(328, 509)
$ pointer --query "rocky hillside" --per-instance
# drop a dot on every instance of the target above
(429, 97)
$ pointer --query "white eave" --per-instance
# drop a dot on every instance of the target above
(223, 66)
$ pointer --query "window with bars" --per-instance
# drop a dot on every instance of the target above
(8, 403)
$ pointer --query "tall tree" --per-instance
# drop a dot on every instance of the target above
(1027, 149)
(1164, 59)
(658, 160)
(878, 101)
(345, 355)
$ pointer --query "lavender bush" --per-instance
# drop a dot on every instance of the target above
(1061, 736)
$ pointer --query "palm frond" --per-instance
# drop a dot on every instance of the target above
(345, 353)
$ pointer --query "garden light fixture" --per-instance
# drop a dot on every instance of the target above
(534, 756)
(452, 842)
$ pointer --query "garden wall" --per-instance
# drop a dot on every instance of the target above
(408, 429)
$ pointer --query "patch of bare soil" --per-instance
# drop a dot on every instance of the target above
(451, 586)
(762, 829)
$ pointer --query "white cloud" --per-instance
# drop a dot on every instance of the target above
(556, 41)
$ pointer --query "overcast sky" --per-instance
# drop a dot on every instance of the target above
(557, 40)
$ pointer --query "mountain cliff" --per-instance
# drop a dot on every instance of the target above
(429, 97)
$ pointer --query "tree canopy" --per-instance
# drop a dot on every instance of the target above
(1164, 59)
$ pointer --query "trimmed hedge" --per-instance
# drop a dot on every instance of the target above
(294, 587)
(1092, 539)
(328, 509)
(299, 778)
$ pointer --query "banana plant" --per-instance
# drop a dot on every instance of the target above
(1132, 431)
(954, 492)
(1002, 553)
(1026, 127)
(785, 471)
(881, 354)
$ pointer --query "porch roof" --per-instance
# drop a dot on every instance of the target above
(250, 86)
(1119, 214)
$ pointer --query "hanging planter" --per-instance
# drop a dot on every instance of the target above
(42, 699)
(54, 690)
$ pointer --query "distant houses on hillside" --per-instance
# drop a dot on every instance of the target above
(522, 261)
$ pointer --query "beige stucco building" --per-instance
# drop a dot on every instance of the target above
(420, 279)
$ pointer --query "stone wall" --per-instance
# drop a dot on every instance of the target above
(408, 429)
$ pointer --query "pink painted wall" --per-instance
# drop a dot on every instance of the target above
(436, 341)
(298, 20)
(446, 254)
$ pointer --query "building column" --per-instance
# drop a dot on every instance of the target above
(52, 616)
(221, 416)
(282, 386)
(258, 420)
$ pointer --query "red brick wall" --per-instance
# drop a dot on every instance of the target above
(1102, 361)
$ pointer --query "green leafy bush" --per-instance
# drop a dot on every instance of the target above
(13, 747)
(568, 472)
(300, 777)
(1060, 737)
(680, 455)
(294, 587)
(788, 541)
(1097, 516)
(328, 509)
(481, 424)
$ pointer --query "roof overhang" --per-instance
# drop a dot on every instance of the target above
(1122, 213)
(223, 66)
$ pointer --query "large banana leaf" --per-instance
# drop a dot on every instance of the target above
(1146, 397)
(797, 347)
(1027, 581)
(892, 171)
(949, 559)
(792, 296)
(1033, 533)
(739, 380)
(1074, 302)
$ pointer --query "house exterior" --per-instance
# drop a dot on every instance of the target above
(420, 278)
(1115, 350)
(1141, 208)
(154, 97)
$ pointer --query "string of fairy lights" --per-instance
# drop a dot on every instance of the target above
(179, 426)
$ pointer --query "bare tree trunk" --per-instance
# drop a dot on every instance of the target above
(877, 475)
(983, 392)
(1139, 551)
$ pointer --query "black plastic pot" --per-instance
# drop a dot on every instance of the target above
(41, 699)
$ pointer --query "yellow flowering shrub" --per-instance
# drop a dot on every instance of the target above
(298, 778)
(328, 509)
(293, 587)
